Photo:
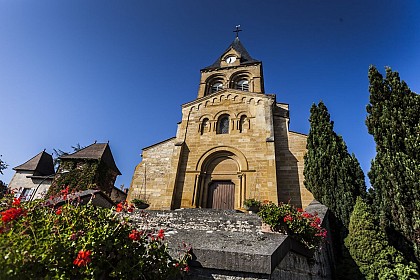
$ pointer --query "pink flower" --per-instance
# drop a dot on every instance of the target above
(135, 235)
(65, 192)
(73, 236)
(58, 211)
(16, 202)
(161, 234)
(119, 207)
(11, 214)
(315, 225)
(83, 258)
(322, 233)
(306, 215)
(288, 218)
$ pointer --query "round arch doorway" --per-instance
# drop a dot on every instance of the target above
(220, 184)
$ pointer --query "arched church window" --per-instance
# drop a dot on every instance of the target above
(215, 87)
(242, 85)
(205, 126)
(243, 123)
(223, 124)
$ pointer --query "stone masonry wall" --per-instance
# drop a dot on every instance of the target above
(150, 179)
(20, 181)
(290, 150)
(297, 146)
(259, 175)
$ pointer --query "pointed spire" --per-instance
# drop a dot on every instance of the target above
(237, 46)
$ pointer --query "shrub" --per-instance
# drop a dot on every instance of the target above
(139, 203)
(370, 249)
(252, 202)
(303, 226)
(39, 241)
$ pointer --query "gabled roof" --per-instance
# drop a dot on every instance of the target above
(41, 164)
(237, 46)
(98, 151)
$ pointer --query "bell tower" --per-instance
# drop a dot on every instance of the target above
(233, 143)
(234, 69)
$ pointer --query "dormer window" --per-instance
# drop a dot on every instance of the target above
(242, 85)
(216, 87)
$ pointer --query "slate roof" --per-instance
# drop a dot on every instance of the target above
(237, 46)
(98, 151)
(41, 164)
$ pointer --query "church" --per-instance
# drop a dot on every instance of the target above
(233, 143)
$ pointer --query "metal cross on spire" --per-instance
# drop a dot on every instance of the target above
(237, 30)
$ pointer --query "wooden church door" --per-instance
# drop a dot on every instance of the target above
(221, 195)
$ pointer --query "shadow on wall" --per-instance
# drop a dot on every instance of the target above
(288, 186)
(180, 177)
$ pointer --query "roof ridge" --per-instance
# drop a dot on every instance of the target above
(41, 164)
(83, 149)
(38, 154)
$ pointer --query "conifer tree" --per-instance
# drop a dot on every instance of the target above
(3, 166)
(369, 247)
(335, 179)
(332, 175)
(394, 121)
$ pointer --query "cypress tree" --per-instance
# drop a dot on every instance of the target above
(332, 175)
(369, 247)
(394, 121)
(335, 179)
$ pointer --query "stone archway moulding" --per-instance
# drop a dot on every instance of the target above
(214, 152)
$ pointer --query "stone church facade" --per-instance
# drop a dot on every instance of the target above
(233, 143)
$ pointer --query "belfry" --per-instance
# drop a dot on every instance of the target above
(233, 143)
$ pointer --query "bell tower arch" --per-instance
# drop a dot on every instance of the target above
(233, 69)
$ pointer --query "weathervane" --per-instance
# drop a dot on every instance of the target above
(237, 30)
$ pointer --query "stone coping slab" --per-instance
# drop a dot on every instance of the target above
(222, 239)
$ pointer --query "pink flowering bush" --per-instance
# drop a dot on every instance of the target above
(40, 241)
(303, 226)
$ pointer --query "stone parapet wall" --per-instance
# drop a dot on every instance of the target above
(228, 245)
(292, 267)
(208, 220)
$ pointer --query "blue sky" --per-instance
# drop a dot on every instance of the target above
(79, 71)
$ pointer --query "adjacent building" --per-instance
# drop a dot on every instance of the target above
(92, 167)
(33, 178)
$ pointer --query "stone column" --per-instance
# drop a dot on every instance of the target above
(242, 178)
(196, 192)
